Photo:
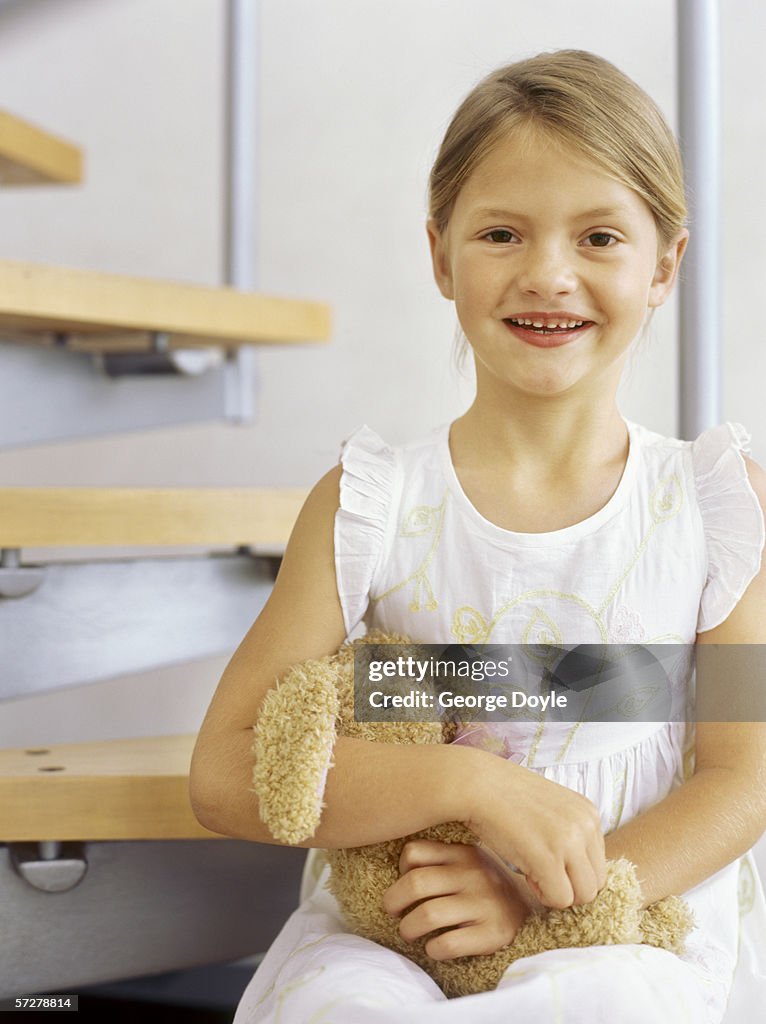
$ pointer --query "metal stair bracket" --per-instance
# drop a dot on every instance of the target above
(159, 358)
(55, 394)
(154, 611)
(17, 580)
(49, 866)
(144, 908)
(49, 395)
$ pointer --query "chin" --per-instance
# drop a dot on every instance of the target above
(541, 387)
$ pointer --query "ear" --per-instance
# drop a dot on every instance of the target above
(440, 259)
(667, 270)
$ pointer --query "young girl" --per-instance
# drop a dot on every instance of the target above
(541, 515)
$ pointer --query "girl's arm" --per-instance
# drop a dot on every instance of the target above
(303, 619)
(720, 812)
(378, 791)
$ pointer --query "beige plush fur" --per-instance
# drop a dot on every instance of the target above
(293, 746)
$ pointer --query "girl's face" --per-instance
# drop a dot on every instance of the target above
(538, 234)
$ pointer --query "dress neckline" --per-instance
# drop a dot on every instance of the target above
(552, 538)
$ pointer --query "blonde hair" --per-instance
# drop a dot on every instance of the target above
(581, 101)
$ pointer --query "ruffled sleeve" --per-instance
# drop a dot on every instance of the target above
(731, 517)
(366, 489)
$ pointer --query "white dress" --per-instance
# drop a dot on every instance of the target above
(668, 556)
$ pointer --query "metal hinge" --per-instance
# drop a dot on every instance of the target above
(49, 866)
(17, 580)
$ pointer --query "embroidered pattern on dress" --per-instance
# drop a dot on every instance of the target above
(746, 887)
(665, 502)
(689, 762)
(626, 627)
(618, 800)
(469, 625)
(420, 521)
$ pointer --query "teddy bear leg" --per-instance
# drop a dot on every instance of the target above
(667, 924)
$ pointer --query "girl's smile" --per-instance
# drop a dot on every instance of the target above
(547, 330)
(553, 266)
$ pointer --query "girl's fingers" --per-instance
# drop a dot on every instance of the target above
(534, 887)
(470, 940)
(597, 853)
(588, 876)
(419, 853)
(583, 879)
(433, 914)
(466, 905)
(551, 884)
(419, 884)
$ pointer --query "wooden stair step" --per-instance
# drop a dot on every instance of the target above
(38, 302)
(34, 517)
(29, 155)
(105, 790)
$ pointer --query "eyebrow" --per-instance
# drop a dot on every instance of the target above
(606, 211)
(597, 213)
(496, 213)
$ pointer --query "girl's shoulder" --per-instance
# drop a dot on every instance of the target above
(717, 460)
(373, 470)
(732, 516)
(720, 478)
(374, 475)
(366, 444)
(728, 439)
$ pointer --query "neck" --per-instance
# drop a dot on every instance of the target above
(553, 439)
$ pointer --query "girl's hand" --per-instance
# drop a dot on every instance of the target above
(457, 887)
(551, 834)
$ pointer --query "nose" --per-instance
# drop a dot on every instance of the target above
(547, 271)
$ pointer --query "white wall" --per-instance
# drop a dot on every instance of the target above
(354, 97)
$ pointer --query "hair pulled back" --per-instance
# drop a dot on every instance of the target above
(578, 100)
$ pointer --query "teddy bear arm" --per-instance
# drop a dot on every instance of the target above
(667, 924)
(293, 747)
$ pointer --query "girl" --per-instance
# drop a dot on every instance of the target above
(541, 515)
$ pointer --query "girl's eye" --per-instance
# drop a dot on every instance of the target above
(507, 235)
(600, 240)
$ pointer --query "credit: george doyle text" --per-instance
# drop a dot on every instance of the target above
(536, 683)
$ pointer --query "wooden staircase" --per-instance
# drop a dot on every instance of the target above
(121, 789)
(29, 155)
(95, 312)
(104, 871)
(135, 325)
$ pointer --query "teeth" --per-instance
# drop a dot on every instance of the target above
(548, 325)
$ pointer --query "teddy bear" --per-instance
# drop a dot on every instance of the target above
(293, 748)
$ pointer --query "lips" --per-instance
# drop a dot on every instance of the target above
(547, 331)
(547, 324)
